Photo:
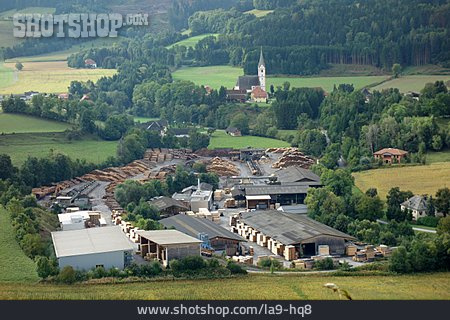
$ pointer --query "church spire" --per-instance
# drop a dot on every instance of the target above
(261, 59)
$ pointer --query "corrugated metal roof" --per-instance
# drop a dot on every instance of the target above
(193, 226)
(295, 174)
(89, 241)
(288, 228)
(168, 237)
(290, 188)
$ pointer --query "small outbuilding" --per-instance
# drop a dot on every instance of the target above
(220, 238)
(166, 245)
(85, 249)
(168, 206)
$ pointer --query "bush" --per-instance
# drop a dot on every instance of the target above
(67, 275)
(235, 268)
(188, 264)
(99, 272)
(428, 221)
(46, 267)
(324, 264)
(269, 263)
(399, 262)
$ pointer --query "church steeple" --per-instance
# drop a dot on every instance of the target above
(261, 59)
(262, 71)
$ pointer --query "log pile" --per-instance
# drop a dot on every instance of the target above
(280, 150)
(294, 157)
(158, 155)
(222, 167)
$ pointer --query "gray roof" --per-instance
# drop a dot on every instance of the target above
(156, 125)
(418, 203)
(246, 82)
(261, 59)
(168, 237)
(296, 174)
(289, 228)
(89, 241)
(193, 226)
(163, 203)
(295, 208)
(290, 188)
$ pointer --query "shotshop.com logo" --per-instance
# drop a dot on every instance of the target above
(74, 25)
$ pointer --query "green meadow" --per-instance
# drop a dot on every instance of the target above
(220, 139)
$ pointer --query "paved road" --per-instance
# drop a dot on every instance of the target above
(414, 228)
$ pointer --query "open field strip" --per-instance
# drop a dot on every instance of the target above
(259, 13)
(192, 41)
(411, 83)
(220, 139)
(216, 76)
(254, 286)
(14, 264)
(20, 146)
(425, 179)
(48, 77)
(16, 123)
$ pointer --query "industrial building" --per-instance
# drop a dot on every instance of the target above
(85, 249)
(297, 174)
(168, 206)
(76, 220)
(220, 238)
(196, 197)
(290, 235)
(166, 245)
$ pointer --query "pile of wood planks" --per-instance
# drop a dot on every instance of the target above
(222, 167)
(294, 157)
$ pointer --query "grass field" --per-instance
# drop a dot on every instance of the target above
(14, 264)
(259, 13)
(258, 287)
(411, 83)
(220, 139)
(144, 119)
(6, 75)
(216, 76)
(15, 123)
(48, 77)
(20, 146)
(441, 156)
(192, 41)
(425, 179)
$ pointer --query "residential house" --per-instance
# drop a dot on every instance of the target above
(259, 95)
(89, 63)
(233, 131)
(390, 155)
(417, 205)
(159, 126)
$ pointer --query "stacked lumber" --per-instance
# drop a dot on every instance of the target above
(280, 150)
(294, 157)
(222, 167)
(43, 191)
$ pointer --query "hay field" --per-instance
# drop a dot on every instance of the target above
(48, 77)
(254, 286)
(411, 83)
(425, 179)
(16, 123)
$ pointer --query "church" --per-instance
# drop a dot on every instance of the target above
(253, 85)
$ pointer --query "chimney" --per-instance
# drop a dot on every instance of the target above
(198, 184)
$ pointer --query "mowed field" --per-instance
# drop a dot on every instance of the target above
(258, 287)
(259, 13)
(48, 77)
(14, 264)
(216, 76)
(411, 83)
(425, 179)
(192, 41)
(220, 139)
(15, 123)
(21, 145)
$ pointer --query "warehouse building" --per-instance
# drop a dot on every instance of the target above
(85, 249)
(168, 206)
(291, 235)
(297, 174)
(220, 238)
(166, 245)
(265, 196)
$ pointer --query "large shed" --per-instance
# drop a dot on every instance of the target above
(292, 235)
(166, 245)
(85, 249)
(219, 237)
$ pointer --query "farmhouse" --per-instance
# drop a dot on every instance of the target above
(291, 235)
(390, 155)
(220, 238)
(180, 132)
(233, 131)
(237, 95)
(89, 63)
(160, 126)
(417, 205)
(166, 245)
(168, 206)
(85, 249)
(259, 95)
